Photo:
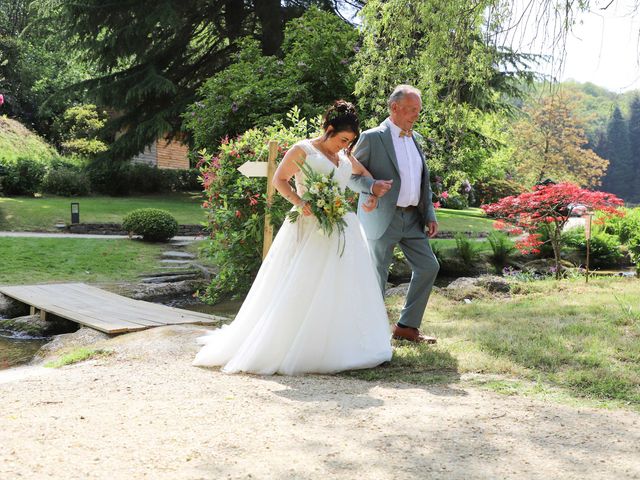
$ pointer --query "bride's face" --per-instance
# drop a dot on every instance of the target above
(338, 141)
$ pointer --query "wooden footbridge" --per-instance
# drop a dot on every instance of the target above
(99, 309)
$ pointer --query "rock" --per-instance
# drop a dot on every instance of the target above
(36, 326)
(153, 291)
(68, 341)
(10, 308)
(475, 287)
(179, 255)
(401, 289)
(545, 266)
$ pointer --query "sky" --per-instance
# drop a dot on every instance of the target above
(604, 48)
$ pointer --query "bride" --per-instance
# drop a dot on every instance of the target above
(312, 308)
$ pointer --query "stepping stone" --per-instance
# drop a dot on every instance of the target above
(173, 254)
(168, 279)
(175, 262)
(182, 271)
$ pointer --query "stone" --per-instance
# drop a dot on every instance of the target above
(10, 308)
(468, 288)
(401, 289)
(179, 255)
(68, 341)
(36, 326)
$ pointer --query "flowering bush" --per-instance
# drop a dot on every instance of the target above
(236, 204)
(548, 208)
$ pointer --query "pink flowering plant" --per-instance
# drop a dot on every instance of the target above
(544, 212)
(235, 205)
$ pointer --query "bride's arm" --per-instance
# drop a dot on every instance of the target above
(289, 166)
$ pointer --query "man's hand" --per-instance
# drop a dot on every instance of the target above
(380, 187)
(432, 229)
(370, 204)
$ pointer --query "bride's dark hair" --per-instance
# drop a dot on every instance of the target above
(342, 116)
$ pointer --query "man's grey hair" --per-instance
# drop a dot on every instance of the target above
(400, 92)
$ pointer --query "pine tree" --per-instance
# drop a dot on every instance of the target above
(152, 55)
(634, 142)
(617, 150)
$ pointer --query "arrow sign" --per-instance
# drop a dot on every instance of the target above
(264, 169)
(253, 169)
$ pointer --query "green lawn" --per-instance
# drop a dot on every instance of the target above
(563, 339)
(41, 214)
(38, 260)
(469, 220)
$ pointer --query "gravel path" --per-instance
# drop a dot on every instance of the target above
(146, 413)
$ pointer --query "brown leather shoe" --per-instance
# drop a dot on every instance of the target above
(411, 334)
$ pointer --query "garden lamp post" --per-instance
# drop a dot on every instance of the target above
(75, 213)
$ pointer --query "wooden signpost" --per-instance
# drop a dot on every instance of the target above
(587, 234)
(264, 169)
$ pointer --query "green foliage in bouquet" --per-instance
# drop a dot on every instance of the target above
(328, 203)
(235, 204)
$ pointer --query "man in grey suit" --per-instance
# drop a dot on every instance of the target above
(405, 215)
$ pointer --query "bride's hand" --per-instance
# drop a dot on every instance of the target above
(306, 209)
(370, 204)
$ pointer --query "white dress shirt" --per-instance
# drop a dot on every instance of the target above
(410, 165)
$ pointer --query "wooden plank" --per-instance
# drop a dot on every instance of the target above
(99, 309)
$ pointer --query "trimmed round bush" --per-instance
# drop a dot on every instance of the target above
(152, 224)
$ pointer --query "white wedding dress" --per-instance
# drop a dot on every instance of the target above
(309, 309)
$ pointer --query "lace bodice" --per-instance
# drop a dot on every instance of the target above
(319, 162)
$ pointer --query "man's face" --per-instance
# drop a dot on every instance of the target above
(405, 112)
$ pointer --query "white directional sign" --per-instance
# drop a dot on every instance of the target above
(264, 169)
(254, 169)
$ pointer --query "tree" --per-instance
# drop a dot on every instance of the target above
(634, 144)
(617, 150)
(441, 48)
(152, 56)
(550, 143)
(256, 89)
(548, 208)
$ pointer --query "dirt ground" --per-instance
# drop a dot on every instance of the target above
(146, 413)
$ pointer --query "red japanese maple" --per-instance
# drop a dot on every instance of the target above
(548, 208)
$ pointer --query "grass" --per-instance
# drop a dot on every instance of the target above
(17, 141)
(567, 338)
(79, 355)
(35, 260)
(42, 213)
(469, 220)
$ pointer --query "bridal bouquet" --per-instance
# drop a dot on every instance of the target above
(327, 202)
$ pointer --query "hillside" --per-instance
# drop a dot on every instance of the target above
(16, 140)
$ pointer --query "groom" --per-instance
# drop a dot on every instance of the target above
(405, 215)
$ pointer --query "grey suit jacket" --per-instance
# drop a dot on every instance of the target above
(375, 151)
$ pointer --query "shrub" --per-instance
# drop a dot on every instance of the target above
(493, 189)
(143, 178)
(22, 176)
(111, 178)
(625, 227)
(153, 224)
(454, 201)
(236, 204)
(604, 248)
(181, 180)
(466, 249)
(66, 182)
(501, 248)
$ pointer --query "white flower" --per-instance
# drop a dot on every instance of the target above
(321, 203)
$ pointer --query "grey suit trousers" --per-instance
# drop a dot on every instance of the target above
(405, 231)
